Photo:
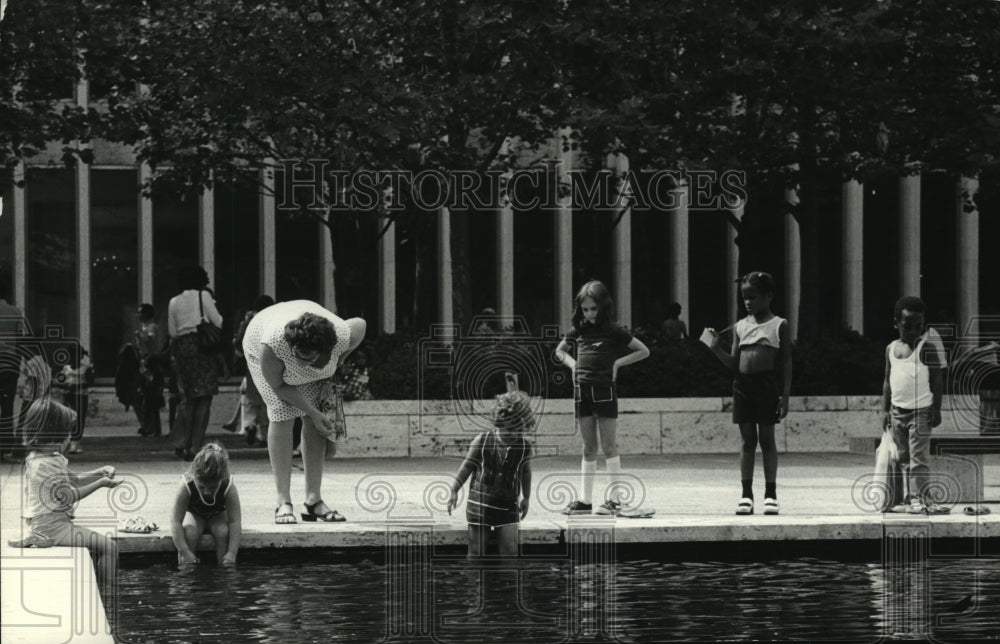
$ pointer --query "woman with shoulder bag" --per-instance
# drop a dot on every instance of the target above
(195, 327)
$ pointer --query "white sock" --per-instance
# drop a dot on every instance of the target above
(587, 469)
(614, 469)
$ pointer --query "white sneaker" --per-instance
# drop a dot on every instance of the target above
(770, 506)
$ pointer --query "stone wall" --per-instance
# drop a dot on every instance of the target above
(645, 425)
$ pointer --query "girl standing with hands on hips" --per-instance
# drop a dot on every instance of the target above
(762, 357)
(601, 349)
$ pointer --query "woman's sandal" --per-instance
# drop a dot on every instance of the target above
(770, 506)
(745, 506)
(285, 518)
(330, 516)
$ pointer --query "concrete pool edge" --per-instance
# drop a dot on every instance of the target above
(675, 530)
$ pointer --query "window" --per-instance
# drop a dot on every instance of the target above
(115, 266)
(51, 232)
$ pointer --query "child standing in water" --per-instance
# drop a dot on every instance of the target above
(500, 466)
(207, 500)
(601, 349)
(762, 357)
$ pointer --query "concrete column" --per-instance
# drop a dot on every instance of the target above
(327, 267)
(678, 250)
(446, 308)
(967, 243)
(20, 259)
(83, 235)
(505, 261)
(621, 290)
(852, 209)
(564, 236)
(145, 239)
(793, 263)
(83, 252)
(733, 309)
(387, 279)
(206, 233)
(909, 235)
(268, 253)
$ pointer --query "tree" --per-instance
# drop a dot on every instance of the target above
(839, 91)
(354, 83)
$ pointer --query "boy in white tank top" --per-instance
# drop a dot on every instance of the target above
(911, 392)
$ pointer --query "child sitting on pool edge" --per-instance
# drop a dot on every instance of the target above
(207, 500)
(499, 461)
(51, 492)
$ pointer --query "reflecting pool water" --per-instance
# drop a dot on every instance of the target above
(547, 600)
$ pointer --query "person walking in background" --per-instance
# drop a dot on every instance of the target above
(251, 414)
(762, 357)
(911, 400)
(150, 345)
(72, 384)
(674, 329)
(12, 327)
(197, 372)
(601, 349)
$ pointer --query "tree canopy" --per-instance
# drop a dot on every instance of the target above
(203, 89)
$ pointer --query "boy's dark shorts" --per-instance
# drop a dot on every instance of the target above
(756, 398)
(601, 400)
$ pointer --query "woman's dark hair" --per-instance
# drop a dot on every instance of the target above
(147, 312)
(601, 296)
(908, 303)
(262, 302)
(674, 309)
(759, 280)
(192, 277)
(311, 332)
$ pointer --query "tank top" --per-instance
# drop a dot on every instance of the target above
(909, 378)
(750, 332)
(199, 506)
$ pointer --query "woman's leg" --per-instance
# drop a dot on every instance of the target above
(199, 421)
(507, 539)
(279, 448)
(193, 527)
(478, 535)
(219, 527)
(180, 429)
(313, 448)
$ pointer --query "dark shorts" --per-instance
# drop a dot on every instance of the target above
(599, 400)
(756, 398)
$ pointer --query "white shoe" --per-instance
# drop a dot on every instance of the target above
(745, 506)
(770, 506)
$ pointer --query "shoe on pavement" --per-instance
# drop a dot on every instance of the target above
(609, 507)
(770, 506)
(578, 507)
(744, 506)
